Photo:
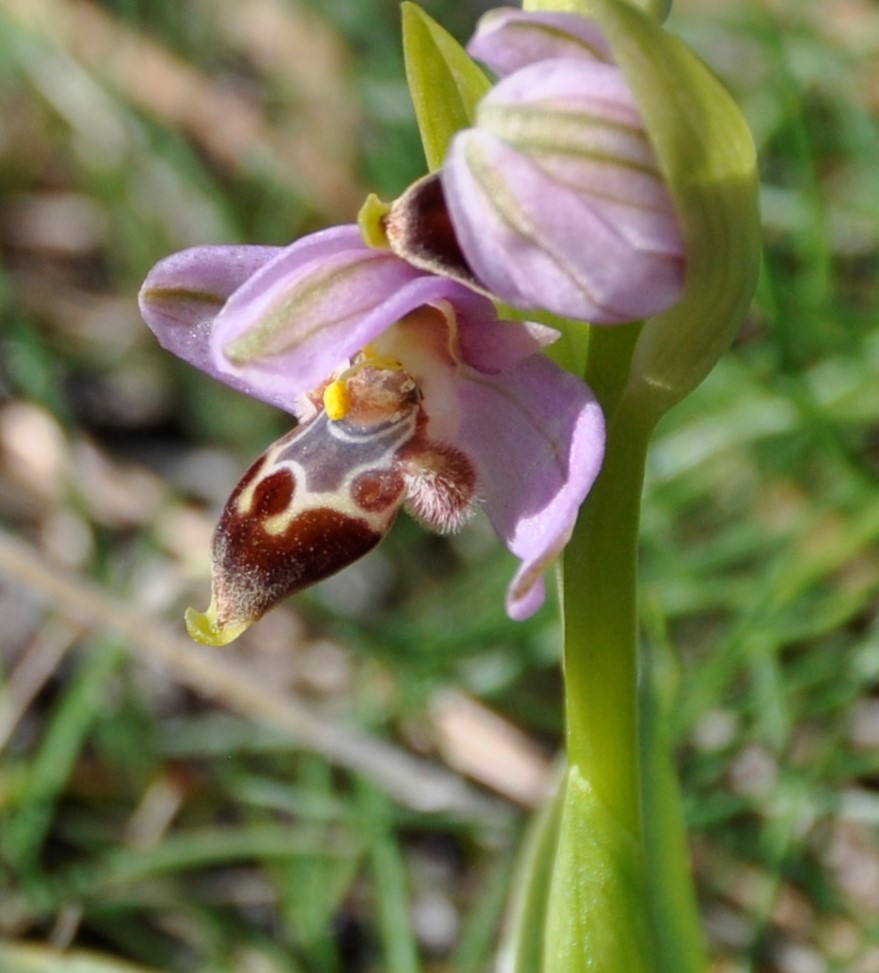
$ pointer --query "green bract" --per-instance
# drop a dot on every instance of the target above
(444, 82)
(596, 914)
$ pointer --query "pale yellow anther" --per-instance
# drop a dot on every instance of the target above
(370, 358)
(337, 399)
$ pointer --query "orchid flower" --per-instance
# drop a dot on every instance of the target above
(554, 196)
(409, 393)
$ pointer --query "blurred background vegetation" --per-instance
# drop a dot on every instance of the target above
(344, 790)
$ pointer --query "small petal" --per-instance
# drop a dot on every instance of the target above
(507, 39)
(536, 434)
(493, 346)
(418, 228)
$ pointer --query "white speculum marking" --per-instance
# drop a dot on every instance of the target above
(325, 458)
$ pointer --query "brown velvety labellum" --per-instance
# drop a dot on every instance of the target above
(255, 569)
(318, 499)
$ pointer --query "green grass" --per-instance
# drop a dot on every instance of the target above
(154, 812)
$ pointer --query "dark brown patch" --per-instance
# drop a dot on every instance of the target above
(253, 471)
(272, 495)
(254, 570)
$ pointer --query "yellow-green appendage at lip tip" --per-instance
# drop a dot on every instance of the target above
(202, 627)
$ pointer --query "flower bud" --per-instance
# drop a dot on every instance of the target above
(557, 201)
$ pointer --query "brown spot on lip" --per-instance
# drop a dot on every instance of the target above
(375, 491)
(272, 495)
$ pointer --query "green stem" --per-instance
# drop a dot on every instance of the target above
(616, 735)
(600, 596)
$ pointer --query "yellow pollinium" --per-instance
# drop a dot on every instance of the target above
(203, 627)
(337, 399)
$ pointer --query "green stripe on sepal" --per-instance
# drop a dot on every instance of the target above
(657, 8)
(444, 82)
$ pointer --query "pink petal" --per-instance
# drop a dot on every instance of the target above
(490, 345)
(579, 124)
(536, 434)
(568, 104)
